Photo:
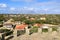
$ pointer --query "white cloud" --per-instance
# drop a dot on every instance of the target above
(46, 9)
(28, 8)
(12, 8)
(3, 5)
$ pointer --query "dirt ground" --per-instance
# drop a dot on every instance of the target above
(40, 36)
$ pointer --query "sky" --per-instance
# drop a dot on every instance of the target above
(30, 6)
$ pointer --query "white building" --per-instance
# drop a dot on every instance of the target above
(42, 18)
(8, 24)
(45, 26)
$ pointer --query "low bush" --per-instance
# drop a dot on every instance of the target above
(54, 29)
(33, 30)
(4, 30)
(20, 32)
(9, 33)
(45, 30)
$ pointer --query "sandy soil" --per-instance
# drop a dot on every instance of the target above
(40, 36)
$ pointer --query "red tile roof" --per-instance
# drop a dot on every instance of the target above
(22, 26)
(37, 24)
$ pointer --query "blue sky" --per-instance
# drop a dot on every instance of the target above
(30, 6)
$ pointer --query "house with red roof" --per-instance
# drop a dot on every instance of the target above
(37, 25)
(21, 26)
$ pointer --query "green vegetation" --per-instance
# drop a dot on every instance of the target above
(28, 22)
(8, 33)
(20, 32)
(45, 30)
(50, 18)
(33, 30)
(4, 30)
(54, 29)
(1, 19)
